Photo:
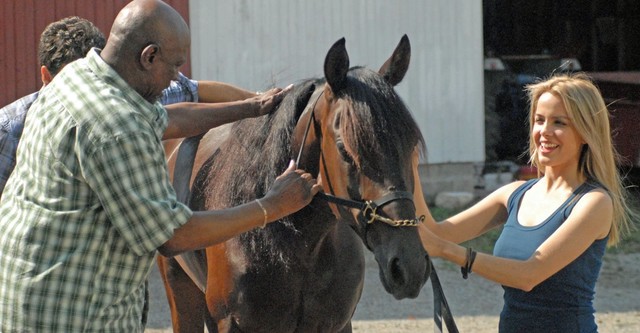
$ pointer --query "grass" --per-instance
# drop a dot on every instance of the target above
(629, 244)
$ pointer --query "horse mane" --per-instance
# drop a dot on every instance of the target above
(259, 149)
(246, 165)
(378, 127)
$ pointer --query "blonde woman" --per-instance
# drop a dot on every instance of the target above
(556, 226)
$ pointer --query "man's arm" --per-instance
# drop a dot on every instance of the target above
(189, 119)
(219, 92)
(184, 89)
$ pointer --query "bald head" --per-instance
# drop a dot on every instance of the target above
(145, 35)
(147, 21)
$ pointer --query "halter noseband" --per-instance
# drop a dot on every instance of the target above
(367, 208)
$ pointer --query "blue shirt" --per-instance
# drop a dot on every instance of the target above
(13, 115)
(181, 90)
(11, 126)
(563, 302)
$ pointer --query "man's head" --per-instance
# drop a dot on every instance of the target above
(147, 45)
(64, 41)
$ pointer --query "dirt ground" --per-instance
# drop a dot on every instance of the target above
(475, 303)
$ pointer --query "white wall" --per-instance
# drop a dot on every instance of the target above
(260, 44)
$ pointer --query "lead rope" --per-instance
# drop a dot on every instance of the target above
(441, 310)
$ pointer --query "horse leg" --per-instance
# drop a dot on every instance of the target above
(186, 301)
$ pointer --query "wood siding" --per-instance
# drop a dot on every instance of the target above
(24, 20)
(259, 44)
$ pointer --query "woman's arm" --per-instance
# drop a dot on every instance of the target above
(590, 220)
(471, 223)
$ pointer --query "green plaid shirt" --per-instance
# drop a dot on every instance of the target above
(86, 207)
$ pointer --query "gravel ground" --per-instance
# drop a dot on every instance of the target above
(475, 303)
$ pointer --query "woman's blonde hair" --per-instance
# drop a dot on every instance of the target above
(590, 117)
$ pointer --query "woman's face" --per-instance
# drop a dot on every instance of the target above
(557, 142)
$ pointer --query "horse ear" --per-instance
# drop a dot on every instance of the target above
(394, 69)
(336, 66)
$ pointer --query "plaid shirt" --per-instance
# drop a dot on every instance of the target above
(86, 207)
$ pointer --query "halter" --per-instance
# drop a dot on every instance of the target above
(368, 208)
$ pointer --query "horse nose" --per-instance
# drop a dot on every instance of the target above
(398, 274)
(404, 280)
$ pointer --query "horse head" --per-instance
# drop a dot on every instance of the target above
(358, 136)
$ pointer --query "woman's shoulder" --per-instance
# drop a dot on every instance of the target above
(595, 197)
(503, 194)
(595, 209)
(508, 189)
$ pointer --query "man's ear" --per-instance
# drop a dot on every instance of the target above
(148, 55)
(45, 75)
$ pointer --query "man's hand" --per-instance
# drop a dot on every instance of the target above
(291, 191)
(267, 102)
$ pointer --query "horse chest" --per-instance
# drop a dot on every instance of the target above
(313, 293)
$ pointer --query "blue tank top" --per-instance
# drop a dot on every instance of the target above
(563, 302)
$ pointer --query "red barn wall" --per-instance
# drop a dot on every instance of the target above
(22, 22)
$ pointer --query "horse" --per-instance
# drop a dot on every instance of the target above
(305, 273)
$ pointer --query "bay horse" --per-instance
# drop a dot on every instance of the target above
(305, 273)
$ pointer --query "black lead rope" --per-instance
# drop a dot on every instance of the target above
(441, 310)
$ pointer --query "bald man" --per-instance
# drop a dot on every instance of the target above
(89, 203)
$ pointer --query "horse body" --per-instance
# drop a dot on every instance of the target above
(305, 273)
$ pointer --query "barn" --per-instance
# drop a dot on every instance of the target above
(261, 44)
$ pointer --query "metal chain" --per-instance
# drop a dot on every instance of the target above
(370, 210)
